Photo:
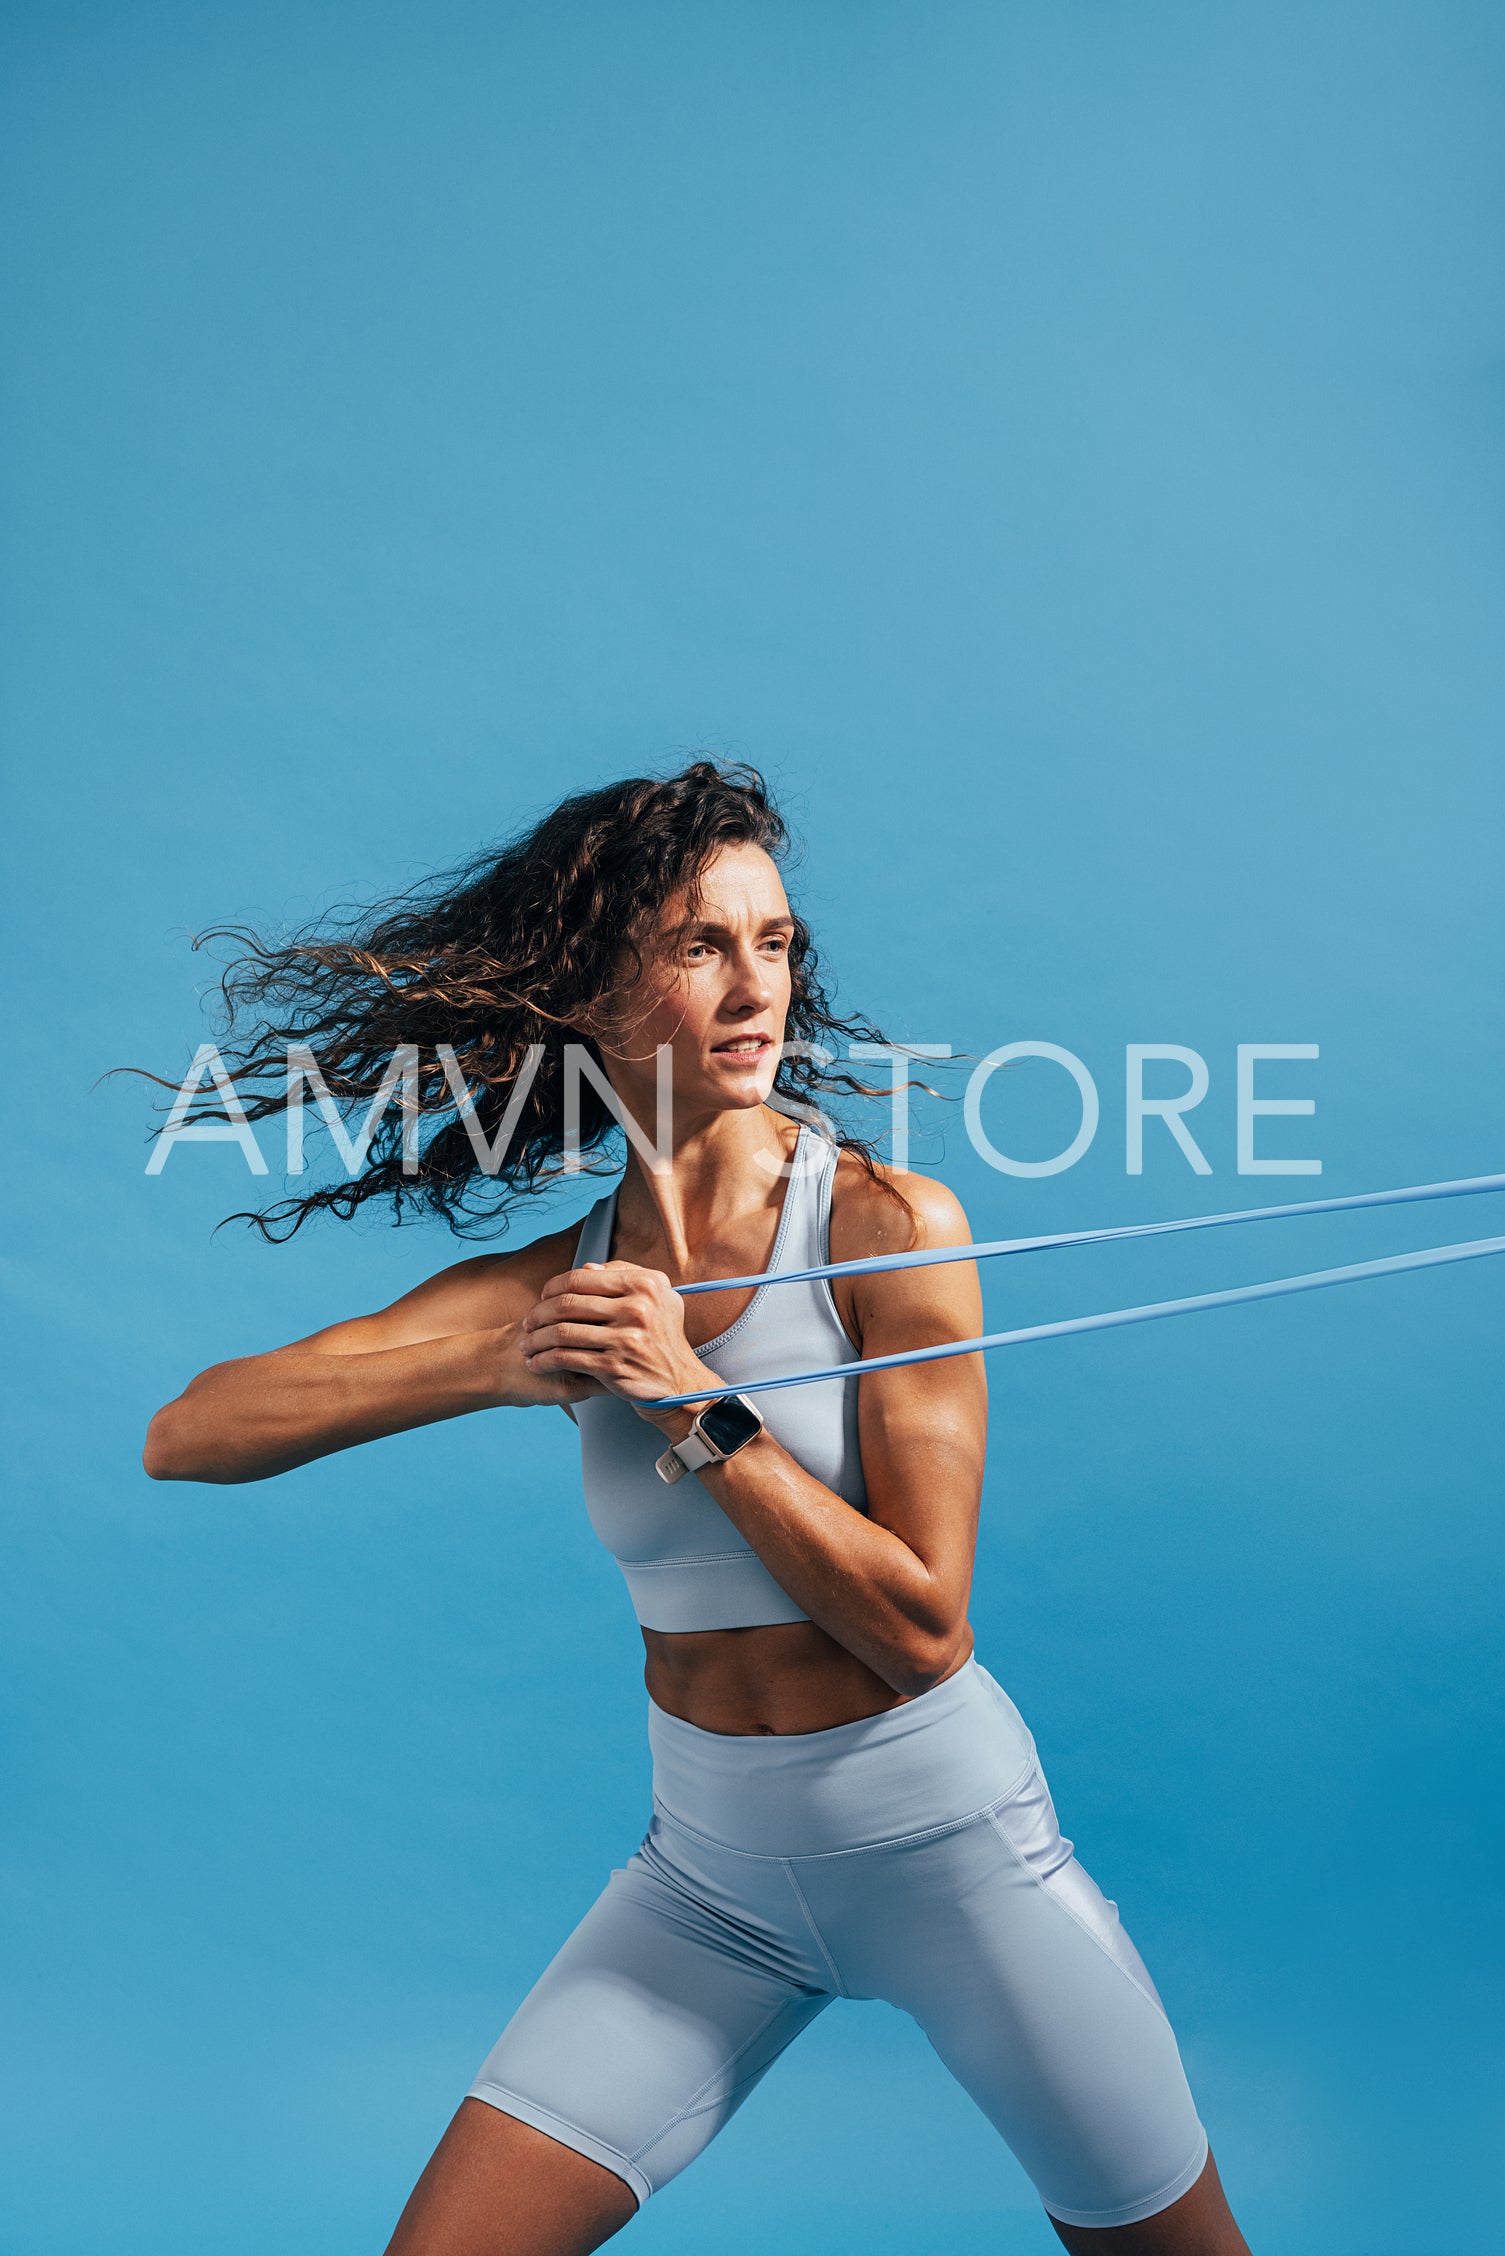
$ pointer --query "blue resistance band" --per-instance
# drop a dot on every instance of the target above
(1468, 1186)
(1391, 1265)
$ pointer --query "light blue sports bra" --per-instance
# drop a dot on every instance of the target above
(685, 1564)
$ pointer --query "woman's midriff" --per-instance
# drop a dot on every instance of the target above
(780, 1677)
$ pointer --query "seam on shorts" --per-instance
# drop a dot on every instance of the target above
(707, 2106)
(1080, 1924)
(693, 2104)
(573, 2135)
(860, 1848)
(1136, 2212)
(689, 1559)
(820, 1941)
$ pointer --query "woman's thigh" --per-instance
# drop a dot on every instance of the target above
(496, 2187)
(1019, 1972)
(657, 2017)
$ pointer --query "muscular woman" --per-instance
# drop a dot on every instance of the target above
(846, 1804)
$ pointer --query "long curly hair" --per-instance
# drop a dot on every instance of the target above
(485, 971)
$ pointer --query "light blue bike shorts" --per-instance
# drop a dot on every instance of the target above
(912, 1856)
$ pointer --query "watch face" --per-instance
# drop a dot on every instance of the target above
(729, 1423)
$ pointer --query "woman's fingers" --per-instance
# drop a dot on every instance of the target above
(584, 1360)
(612, 1297)
(621, 1325)
(595, 1336)
(576, 1307)
(601, 1279)
(592, 1325)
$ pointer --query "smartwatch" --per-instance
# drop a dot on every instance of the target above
(721, 1428)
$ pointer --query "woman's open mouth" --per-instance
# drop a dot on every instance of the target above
(744, 1046)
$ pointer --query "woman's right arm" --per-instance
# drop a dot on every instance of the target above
(448, 1347)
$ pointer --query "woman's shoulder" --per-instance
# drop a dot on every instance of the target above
(878, 1209)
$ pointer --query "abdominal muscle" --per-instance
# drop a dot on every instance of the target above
(780, 1677)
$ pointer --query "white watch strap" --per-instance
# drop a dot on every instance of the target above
(686, 1456)
(695, 1451)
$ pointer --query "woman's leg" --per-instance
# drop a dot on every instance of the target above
(497, 2187)
(674, 1995)
(1199, 2224)
(1019, 1972)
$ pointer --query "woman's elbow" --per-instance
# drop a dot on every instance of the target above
(924, 1660)
(172, 1452)
(162, 1456)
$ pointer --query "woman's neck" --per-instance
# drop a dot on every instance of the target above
(724, 1170)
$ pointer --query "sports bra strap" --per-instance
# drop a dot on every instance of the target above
(594, 1241)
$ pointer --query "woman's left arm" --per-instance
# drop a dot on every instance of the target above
(890, 1585)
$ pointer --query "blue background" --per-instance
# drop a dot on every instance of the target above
(1062, 445)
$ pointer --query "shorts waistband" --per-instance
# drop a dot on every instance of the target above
(960, 1747)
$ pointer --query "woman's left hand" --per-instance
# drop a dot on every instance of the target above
(625, 1328)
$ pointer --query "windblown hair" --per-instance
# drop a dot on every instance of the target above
(532, 943)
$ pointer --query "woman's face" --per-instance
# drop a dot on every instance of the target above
(716, 991)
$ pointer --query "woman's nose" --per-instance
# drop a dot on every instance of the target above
(750, 981)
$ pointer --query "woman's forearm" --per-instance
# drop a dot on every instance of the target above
(263, 1414)
(856, 1579)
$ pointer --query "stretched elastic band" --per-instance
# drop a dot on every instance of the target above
(1431, 1257)
(872, 1264)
